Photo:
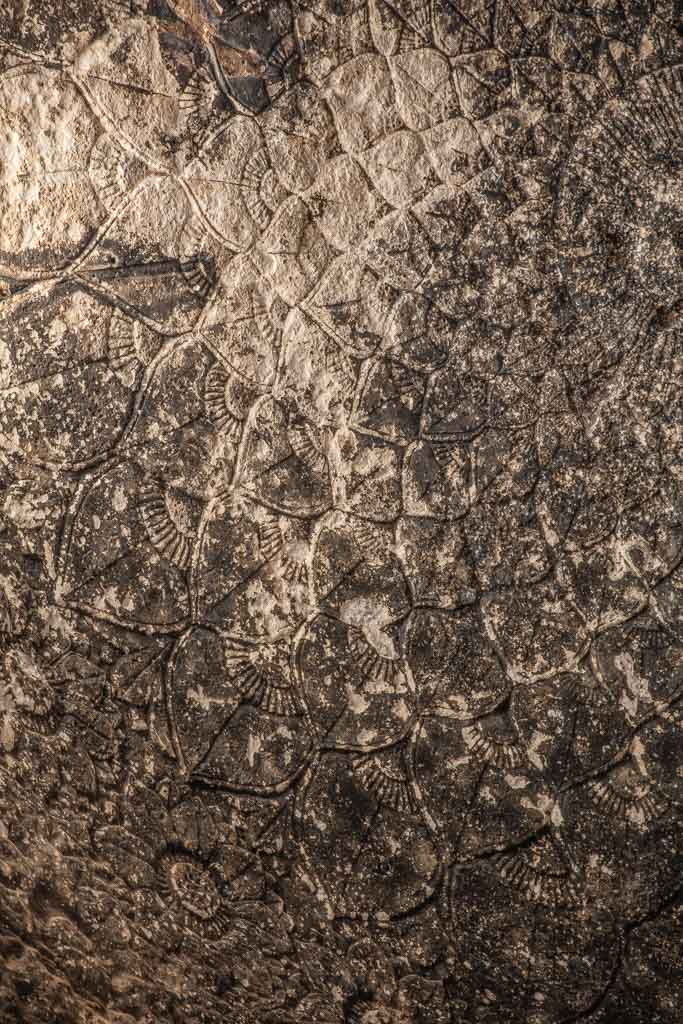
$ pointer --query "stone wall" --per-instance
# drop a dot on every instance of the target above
(341, 512)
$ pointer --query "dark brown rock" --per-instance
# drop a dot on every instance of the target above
(341, 512)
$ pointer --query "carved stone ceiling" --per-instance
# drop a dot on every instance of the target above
(341, 512)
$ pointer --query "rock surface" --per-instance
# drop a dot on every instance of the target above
(341, 512)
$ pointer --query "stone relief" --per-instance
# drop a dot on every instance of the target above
(341, 511)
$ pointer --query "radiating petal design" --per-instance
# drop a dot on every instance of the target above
(617, 826)
(356, 572)
(436, 480)
(463, 28)
(340, 496)
(482, 794)
(293, 252)
(641, 662)
(244, 321)
(148, 503)
(368, 476)
(418, 334)
(348, 819)
(250, 594)
(125, 551)
(343, 223)
(358, 697)
(127, 84)
(316, 373)
(261, 673)
(237, 717)
(226, 399)
(172, 431)
(559, 962)
(456, 405)
(298, 154)
(506, 543)
(400, 169)
(362, 123)
(388, 401)
(285, 464)
(226, 180)
(618, 201)
(353, 305)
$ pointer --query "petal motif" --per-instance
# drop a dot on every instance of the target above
(345, 224)
(225, 181)
(126, 550)
(173, 432)
(400, 169)
(243, 324)
(368, 476)
(362, 122)
(554, 952)
(298, 157)
(437, 480)
(425, 92)
(293, 252)
(616, 828)
(389, 401)
(353, 305)
(456, 406)
(285, 465)
(483, 794)
(356, 573)
(570, 725)
(641, 663)
(251, 594)
(344, 822)
(358, 697)
(315, 373)
(236, 714)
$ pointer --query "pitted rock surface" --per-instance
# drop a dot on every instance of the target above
(341, 512)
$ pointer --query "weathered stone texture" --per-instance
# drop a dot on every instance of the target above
(341, 512)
